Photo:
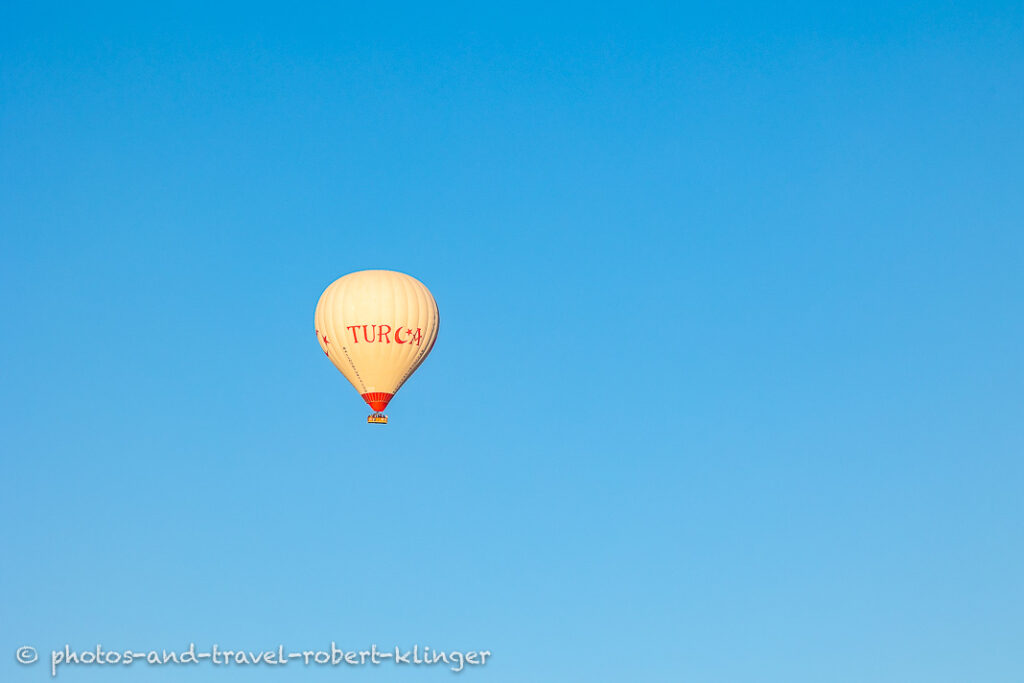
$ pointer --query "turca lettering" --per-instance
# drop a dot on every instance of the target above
(385, 334)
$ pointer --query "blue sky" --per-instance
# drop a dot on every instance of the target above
(728, 385)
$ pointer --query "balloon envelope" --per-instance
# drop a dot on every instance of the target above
(377, 327)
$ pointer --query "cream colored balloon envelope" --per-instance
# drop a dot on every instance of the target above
(377, 327)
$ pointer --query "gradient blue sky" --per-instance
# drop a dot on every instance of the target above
(729, 379)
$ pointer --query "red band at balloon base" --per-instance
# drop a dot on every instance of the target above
(378, 400)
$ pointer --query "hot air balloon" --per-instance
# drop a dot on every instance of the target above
(377, 327)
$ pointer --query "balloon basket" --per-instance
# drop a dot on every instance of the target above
(377, 419)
